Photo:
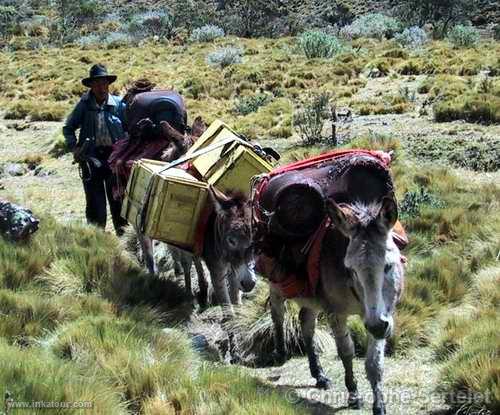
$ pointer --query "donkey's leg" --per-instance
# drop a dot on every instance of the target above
(234, 287)
(307, 324)
(278, 316)
(176, 259)
(219, 282)
(374, 366)
(345, 350)
(147, 247)
(187, 263)
(202, 282)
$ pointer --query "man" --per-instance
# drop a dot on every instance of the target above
(100, 118)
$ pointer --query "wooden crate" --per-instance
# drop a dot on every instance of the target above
(230, 167)
(176, 202)
(235, 169)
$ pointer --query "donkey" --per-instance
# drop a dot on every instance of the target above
(227, 250)
(360, 273)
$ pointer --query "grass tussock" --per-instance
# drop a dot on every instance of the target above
(469, 347)
(79, 321)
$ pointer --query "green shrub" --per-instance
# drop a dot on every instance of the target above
(309, 119)
(496, 31)
(226, 56)
(372, 25)
(463, 36)
(413, 37)
(320, 45)
(479, 108)
(206, 33)
(247, 105)
(155, 23)
(413, 201)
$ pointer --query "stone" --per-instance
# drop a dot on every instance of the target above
(14, 169)
(16, 222)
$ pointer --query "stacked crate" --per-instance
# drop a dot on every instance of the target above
(168, 203)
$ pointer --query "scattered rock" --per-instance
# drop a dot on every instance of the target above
(19, 126)
(14, 169)
(40, 171)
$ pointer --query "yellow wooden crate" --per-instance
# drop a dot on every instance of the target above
(175, 206)
(229, 167)
(235, 169)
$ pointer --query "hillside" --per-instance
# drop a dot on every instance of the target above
(80, 321)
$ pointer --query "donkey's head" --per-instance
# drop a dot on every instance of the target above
(233, 235)
(370, 256)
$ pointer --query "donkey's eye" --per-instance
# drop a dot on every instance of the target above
(387, 268)
(232, 241)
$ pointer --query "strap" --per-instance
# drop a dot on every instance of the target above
(205, 150)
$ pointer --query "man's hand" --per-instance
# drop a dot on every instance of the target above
(77, 155)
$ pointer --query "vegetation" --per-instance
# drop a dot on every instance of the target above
(72, 280)
(206, 33)
(77, 326)
(319, 45)
(224, 57)
(463, 36)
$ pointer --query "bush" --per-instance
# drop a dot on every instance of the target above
(463, 36)
(478, 108)
(413, 37)
(373, 25)
(206, 33)
(320, 45)
(117, 39)
(149, 24)
(88, 41)
(496, 32)
(413, 201)
(252, 103)
(309, 120)
(440, 13)
(81, 12)
(225, 56)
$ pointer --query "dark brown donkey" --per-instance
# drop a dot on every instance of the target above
(360, 272)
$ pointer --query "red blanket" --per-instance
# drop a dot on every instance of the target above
(126, 152)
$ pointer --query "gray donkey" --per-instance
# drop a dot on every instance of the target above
(227, 250)
(360, 273)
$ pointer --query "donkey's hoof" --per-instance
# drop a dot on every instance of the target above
(279, 358)
(354, 401)
(323, 382)
(379, 410)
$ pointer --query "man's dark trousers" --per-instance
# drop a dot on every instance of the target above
(98, 184)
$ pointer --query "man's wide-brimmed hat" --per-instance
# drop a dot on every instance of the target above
(98, 71)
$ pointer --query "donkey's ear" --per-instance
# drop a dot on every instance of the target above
(388, 214)
(339, 218)
(218, 199)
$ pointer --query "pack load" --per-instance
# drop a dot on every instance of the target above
(168, 201)
(156, 105)
(225, 160)
(146, 137)
(167, 204)
(290, 216)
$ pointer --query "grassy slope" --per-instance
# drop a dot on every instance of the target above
(56, 288)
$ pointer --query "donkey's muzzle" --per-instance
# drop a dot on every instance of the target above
(247, 285)
(381, 329)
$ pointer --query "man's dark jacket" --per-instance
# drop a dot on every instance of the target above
(84, 116)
